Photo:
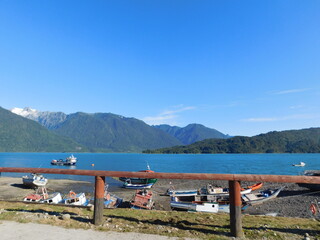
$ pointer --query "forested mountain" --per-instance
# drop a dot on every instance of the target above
(291, 141)
(113, 133)
(191, 133)
(18, 134)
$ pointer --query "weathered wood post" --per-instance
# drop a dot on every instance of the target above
(98, 200)
(235, 209)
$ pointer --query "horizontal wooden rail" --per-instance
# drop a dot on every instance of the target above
(234, 184)
(195, 176)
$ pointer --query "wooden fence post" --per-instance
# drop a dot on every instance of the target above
(235, 209)
(98, 200)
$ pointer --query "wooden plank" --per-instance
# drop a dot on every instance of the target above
(235, 209)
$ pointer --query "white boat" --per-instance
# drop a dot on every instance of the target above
(301, 164)
(69, 161)
(260, 197)
(78, 199)
(34, 180)
(54, 198)
(194, 206)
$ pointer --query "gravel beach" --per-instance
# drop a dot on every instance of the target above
(293, 200)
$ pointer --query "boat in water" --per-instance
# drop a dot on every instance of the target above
(142, 200)
(34, 180)
(301, 164)
(69, 161)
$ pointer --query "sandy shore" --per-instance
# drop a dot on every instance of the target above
(293, 200)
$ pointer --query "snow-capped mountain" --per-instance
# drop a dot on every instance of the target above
(48, 119)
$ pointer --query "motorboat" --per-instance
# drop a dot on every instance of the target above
(142, 199)
(34, 180)
(41, 195)
(301, 164)
(78, 199)
(69, 161)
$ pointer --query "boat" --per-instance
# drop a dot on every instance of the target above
(69, 161)
(138, 181)
(142, 200)
(130, 185)
(78, 199)
(34, 180)
(311, 186)
(254, 187)
(209, 190)
(194, 206)
(41, 195)
(111, 200)
(301, 164)
(260, 197)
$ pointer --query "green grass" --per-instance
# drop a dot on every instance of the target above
(173, 224)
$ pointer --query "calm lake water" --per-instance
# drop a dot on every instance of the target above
(277, 164)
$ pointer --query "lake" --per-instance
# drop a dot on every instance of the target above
(275, 164)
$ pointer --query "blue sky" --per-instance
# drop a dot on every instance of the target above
(241, 67)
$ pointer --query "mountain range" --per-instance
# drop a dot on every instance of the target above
(290, 141)
(107, 132)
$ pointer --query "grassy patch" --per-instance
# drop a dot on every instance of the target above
(177, 224)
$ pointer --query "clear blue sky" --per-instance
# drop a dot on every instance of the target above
(241, 67)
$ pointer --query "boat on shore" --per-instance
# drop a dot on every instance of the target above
(138, 183)
(69, 161)
(260, 197)
(41, 195)
(210, 190)
(143, 199)
(193, 206)
(34, 180)
(78, 199)
(311, 186)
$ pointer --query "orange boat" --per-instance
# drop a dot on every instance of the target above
(254, 187)
(142, 199)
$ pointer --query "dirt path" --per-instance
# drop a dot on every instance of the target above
(14, 231)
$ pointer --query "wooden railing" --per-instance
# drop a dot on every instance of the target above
(233, 179)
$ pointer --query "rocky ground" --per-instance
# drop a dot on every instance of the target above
(293, 200)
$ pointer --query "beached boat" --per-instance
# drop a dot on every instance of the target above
(111, 200)
(137, 181)
(34, 180)
(129, 185)
(73, 198)
(311, 186)
(260, 197)
(41, 195)
(194, 206)
(254, 187)
(210, 190)
(69, 161)
(301, 164)
(142, 199)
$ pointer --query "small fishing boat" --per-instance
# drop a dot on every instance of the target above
(260, 197)
(142, 199)
(34, 180)
(311, 186)
(130, 185)
(138, 181)
(194, 206)
(73, 198)
(41, 195)
(69, 161)
(301, 164)
(111, 200)
(210, 190)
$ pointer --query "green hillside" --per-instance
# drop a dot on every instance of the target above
(106, 132)
(191, 133)
(18, 134)
(291, 141)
